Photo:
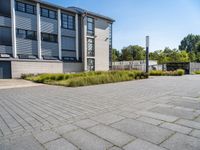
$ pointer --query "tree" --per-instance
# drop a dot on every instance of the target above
(189, 43)
(116, 55)
(197, 47)
(192, 56)
(198, 57)
(134, 52)
(169, 55)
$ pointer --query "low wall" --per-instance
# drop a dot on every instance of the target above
(72, 67)
(35, 67)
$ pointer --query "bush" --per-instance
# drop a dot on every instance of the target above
(178, 72)
(87, 78)
(196, 72)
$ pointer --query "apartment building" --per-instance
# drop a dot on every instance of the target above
(39, 37)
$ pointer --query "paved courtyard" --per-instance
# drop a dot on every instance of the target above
(160, 113)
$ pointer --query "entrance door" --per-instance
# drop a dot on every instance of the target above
(5, 70)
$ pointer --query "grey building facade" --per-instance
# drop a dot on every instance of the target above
(39, 37)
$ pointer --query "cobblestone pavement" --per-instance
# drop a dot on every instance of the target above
(161, 113)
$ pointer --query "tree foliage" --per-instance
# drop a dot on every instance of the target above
(134, 52)
(169, 55)
(189, 43)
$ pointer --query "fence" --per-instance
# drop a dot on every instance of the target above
(137, 65)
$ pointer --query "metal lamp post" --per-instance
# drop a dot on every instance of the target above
(147, 54)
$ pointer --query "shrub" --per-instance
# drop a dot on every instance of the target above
(178, 72)
(196, 72)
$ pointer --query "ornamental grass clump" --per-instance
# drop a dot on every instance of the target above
(178, 72)
(87, 78)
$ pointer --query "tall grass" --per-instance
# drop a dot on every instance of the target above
(86, 78)
(178, 72)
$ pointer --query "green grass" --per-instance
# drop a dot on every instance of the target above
(178, 72)
(196, 72)
(86, 78)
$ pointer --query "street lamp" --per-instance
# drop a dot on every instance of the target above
(147, 54)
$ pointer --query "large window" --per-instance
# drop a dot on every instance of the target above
(49, 37)
(26, 34)
(5, 8)
(27, 8)
(91, 64)
(48, 13)
(90, 26)
(5, 36)
(68, 22)
(90, 47)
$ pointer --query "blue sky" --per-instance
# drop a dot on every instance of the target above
(165, 21)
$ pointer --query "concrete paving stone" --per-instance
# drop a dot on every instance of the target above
(112, 135)
(60, 144)
(182, 142)
(143, 130)
(115, 148)
(195, 133)
(87, 141)
(1, 134)
(185, 114)
(23, 143)
(4, 141)
(188, 123)
(163, 99)
(145, 105)
(177, 128)
(107, 118)
(197, 119)
(193, 105)
(150, 120)
(139, 144)
(46, 136)
(186, 109)
(64, 129)
(159, 116)
(86, 123)
(129, 115)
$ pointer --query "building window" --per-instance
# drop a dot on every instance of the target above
(90, 47)
(21, 33)
(90, 26)
(5, 9)
(91, 64)
(48, 13)
(68, 22)
(26, 34)
(20, 6)
(31, 35)
(44, 12)
(5, 36)
(52, 14)
(27, 8)
(30, 9)
(49, 37)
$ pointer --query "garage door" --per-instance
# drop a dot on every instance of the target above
(5, 70)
